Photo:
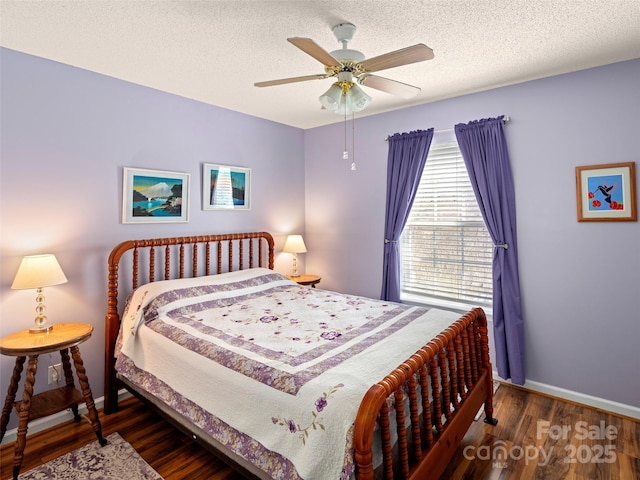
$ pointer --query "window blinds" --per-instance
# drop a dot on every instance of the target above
(446, 251)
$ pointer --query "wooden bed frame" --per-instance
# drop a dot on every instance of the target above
(454, 367)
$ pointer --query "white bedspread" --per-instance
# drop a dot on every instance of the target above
(273, 370)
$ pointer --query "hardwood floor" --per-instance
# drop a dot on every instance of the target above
(537, 437)
(541, 437)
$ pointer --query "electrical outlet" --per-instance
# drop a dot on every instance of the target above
(54, 373)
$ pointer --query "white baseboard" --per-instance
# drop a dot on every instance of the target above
(57, 418)
(577, 397)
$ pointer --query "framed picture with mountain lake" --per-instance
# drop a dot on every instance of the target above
(225, 187)
(606, 193)
(155, 196)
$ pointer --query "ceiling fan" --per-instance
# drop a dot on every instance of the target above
(351, 68)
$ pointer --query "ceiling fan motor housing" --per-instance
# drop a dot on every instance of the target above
(344, 33)
(346, 55)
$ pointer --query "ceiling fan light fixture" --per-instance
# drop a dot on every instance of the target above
(359, 99)
(344, 108)
(354, 100)
(331, 98)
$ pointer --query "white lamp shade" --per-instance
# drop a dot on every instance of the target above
(294, 244)
(38, 271)
(331, 98)
(345, 105)
(359, 99)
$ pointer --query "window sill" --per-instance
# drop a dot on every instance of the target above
(458, 307)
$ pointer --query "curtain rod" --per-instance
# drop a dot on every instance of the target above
(504, 120)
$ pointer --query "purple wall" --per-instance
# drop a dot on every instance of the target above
(67, 134)
(580, 281)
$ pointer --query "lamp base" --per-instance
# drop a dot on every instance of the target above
(42, 329)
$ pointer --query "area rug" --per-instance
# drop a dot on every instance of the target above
(115, 461)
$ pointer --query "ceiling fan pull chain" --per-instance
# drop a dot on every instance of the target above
(345, 152)
(353, 140)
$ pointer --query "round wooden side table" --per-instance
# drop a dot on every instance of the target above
(65, 338)
(312, 280)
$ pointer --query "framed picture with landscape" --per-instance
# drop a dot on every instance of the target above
(606, 193)
(154, 196)
(225, 187)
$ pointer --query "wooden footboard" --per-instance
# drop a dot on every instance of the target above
(181, 257)
(455, 371)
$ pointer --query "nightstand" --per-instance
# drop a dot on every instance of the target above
(312, 280)
(65, 338)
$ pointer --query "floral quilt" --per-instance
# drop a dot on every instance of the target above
(271, 369)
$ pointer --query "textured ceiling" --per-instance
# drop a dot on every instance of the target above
(213, 51)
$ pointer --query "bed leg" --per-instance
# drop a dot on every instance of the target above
(491, 420)
(488, 404)
(110, 394)
(484, 351)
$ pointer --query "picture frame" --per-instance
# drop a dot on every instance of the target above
(225, 187)
(155, 196)
(606, 193)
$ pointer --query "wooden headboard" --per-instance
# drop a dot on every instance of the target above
(134, 262)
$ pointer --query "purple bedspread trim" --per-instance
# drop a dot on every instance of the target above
(192, 292)
(275, 378)
(243, 445)
(284, 381)
(345, 336)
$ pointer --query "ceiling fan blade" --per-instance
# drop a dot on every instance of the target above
(282, 81)
(387, 85)
(404, 56)
(316, 51)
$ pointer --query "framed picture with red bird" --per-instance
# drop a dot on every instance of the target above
(606, 193)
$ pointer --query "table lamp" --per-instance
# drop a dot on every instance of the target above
(39, 271)
(295, 245)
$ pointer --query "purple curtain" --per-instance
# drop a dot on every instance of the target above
(484, 149)
(405, 163)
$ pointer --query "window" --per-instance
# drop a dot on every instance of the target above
(446, 251)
